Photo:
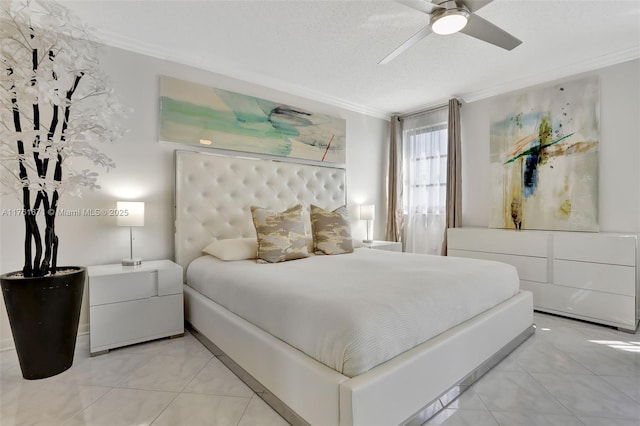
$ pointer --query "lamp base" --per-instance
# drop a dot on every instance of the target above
(132, 262)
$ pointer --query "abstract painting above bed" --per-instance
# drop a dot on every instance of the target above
(200, 115)
(544, 158)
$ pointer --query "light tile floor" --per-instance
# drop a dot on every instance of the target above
(568, 373)
(165, 382)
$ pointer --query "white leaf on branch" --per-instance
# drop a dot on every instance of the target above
(65, 53)
(55, 105)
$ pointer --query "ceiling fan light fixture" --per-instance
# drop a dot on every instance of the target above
(450, 21)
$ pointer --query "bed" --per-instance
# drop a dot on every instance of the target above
(404, 382)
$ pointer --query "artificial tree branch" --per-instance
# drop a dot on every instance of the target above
(49, 215)
(52, 238)
(36, 231)
(53, 75)
(36, 117)
(27, 269)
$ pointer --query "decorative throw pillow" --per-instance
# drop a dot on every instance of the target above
(233, 248)
(331, 231)
(280, 234)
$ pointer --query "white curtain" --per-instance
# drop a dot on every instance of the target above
(424, 146)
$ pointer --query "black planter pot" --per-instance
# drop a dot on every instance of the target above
(44, 314)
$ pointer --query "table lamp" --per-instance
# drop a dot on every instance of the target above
(131, 213)
(367, 212)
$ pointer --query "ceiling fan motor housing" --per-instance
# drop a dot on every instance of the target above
(449, 18)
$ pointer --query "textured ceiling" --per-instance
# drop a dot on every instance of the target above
(329, 50)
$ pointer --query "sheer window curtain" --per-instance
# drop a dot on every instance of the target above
(424, 167)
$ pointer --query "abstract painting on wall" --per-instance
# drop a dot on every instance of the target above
(544, 158)
(195, 114)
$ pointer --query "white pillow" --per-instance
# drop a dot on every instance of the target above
(247, 248)
(233, 249)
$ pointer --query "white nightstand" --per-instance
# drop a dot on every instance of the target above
(384, 245)
(132, 304)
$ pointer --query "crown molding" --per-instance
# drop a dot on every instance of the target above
(612, 58)
(116, 40)
(155, 51)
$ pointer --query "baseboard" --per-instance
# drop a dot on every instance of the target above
(7, 344)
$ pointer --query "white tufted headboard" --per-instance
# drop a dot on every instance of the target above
(214, 194)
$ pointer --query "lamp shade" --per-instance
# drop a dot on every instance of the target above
(130, 213)
(367, 212)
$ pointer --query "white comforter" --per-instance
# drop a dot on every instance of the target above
(354, 311)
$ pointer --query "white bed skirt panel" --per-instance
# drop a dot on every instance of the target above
(308, 387)
(387, 394)
(421, 374)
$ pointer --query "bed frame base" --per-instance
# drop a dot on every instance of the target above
(272, 401)
(456, 390)
(417, 419)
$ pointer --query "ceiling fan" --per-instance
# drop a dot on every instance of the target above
(452, 16)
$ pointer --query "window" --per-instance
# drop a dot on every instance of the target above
(425, 165)
(424, 189)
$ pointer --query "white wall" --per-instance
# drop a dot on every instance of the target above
(144, 171)
(619, 175)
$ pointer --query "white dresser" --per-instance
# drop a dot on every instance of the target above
(132, 304)
(590, 276)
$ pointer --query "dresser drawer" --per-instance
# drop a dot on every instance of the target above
(595, 276)
(612, 249)
(529, 243)
(106, 289)
(529, 268)
(605, 308)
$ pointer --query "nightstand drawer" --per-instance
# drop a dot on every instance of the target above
(125, 323)
(122, 287)
(169, 281)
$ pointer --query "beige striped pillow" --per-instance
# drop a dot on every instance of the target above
(280, 234)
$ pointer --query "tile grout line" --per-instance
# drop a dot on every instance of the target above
(244, 411)
(164, 409)
(553, 396)
(179, 392)
(90, 405)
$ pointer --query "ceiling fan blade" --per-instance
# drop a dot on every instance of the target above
(475, 5)
(423, 6)
(484, 30)
(407, 44)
